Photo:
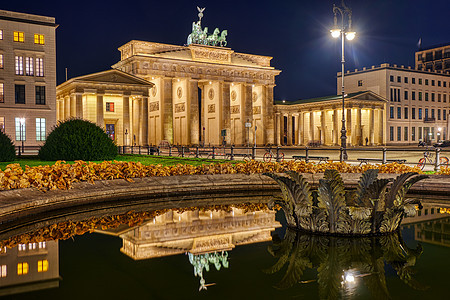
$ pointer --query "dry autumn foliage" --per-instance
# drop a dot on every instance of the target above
(62, 175)
(68, 229)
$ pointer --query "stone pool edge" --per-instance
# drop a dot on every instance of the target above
(22, 202)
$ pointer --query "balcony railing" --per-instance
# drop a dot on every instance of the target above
(429, 120)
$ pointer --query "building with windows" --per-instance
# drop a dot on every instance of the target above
(27, 76)
(434, 58)
(418, 102)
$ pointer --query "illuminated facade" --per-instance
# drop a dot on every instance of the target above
(200, 90)
(418, 102)
(29, 267)
(319, 120)
(114, 100)
(196, 232)
(435, 58)
(27, 76)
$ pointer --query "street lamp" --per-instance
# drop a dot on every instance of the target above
(22, 131)
(344, 32)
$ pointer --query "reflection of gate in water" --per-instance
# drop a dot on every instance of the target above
(110, 131)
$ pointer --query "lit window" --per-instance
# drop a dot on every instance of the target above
(19, 36)
(110, 106)
(19, 65)
(360, 83)
(31, 246)
(2, 95)
(1, 61)
(3, 272)
(20, 136)
(22, 247)
(42, 265)
(39, 39)
(1, 34)
(42, 245)
(29, 69)
(2, 124)
(22, 268)
(40, 132)
(39, 67)
(40, 95)
(3, 249)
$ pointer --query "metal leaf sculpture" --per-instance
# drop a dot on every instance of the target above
(331, 197)
(378, 205)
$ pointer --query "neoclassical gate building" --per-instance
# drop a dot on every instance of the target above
(201, 92)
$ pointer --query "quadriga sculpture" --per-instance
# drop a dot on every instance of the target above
(376, 207)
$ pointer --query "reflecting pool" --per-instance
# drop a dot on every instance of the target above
(241, 252)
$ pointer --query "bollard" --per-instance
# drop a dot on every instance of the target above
(158, 150)
(384, 161)
(341, 154)
(437, 163)
(196, 152)
(182, 151)
(253, 152)
(232, 152)
(307, 155)
(170, 150)
(277, 159)
(213, 152)
(139, 149)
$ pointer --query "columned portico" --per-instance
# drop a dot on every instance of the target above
(319, 119)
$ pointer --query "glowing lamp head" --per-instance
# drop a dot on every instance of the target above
(336, 32)
(350, 35)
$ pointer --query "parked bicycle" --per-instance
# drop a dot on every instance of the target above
(269, 155)
(428, 159)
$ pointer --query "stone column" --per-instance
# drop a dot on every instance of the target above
(269, 126)
(66, 107)
(301, 129)
(193, 109)
(167, 110)
(311, 126)
(359, 137)
(289, 129)
(58, 110)
(136, 105)
(100, 119)
(79, 105)
(371, 126)
(73, 105)
(248, 112)
(144, 121)
(226, 113)
(381, 136)
(348, 118)
(126, 120)
(335, 127)
(278, 128)
(296, 140)
(323, 133)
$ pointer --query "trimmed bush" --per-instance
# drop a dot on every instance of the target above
(7, 149)
(77, 139)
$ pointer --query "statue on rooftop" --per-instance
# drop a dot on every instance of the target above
(200, 36)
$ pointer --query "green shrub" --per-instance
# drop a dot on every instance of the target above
(77, 139)
(7, 149)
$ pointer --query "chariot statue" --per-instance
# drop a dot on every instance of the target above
(201, 36)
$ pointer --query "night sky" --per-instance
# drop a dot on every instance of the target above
(294, 33)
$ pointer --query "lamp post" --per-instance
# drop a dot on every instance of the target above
(22, 131)
(344, 32)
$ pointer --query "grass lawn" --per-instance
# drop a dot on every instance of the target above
(144, 159)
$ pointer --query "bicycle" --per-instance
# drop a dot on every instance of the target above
(269, 154)
(428, 159)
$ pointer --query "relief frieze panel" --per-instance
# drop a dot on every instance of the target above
(154, 106)
(235, 109)
(211, 108)
(180, 107)
(256, 110)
